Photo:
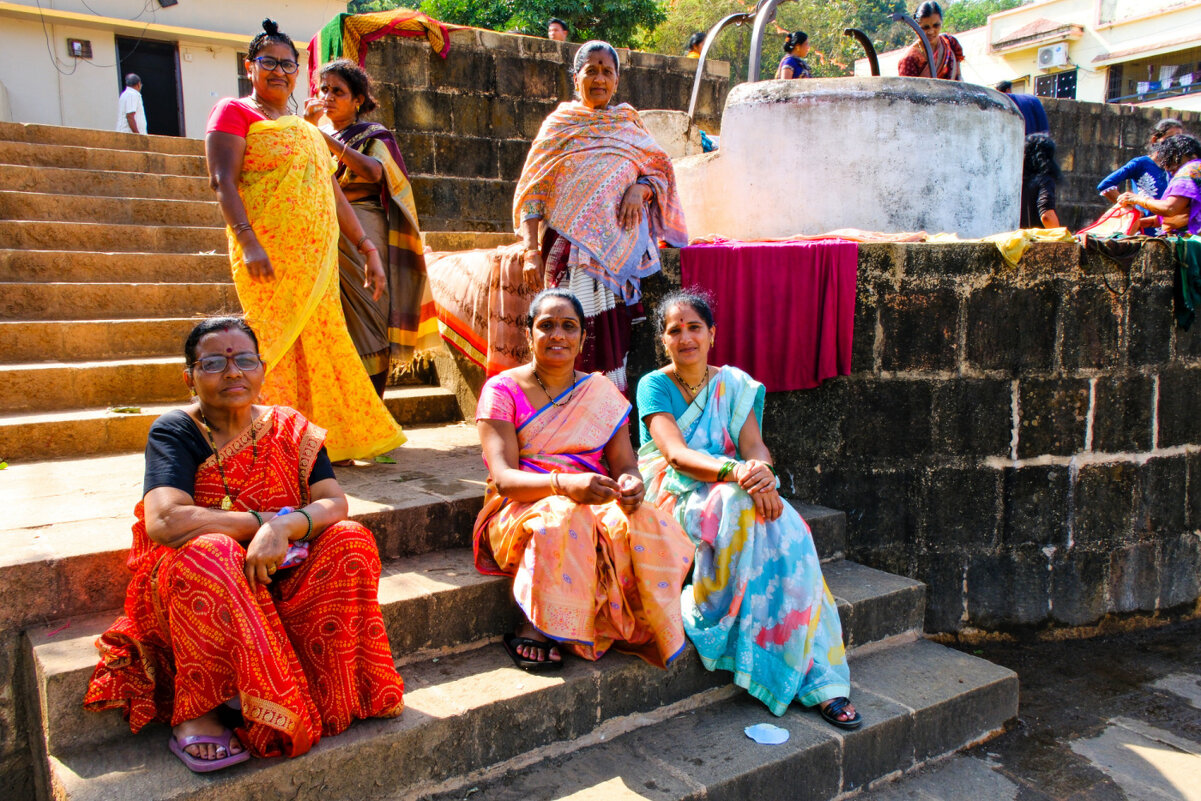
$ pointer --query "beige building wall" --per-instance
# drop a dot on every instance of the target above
(63, 90)
(1098, 34)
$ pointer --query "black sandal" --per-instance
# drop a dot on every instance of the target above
(834, 708)
(513, 642)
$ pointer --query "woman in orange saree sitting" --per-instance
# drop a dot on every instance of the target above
(592, 566)
(250, 588)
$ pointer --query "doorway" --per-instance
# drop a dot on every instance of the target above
(157, 64)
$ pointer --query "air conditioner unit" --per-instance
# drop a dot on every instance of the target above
(1055, 55)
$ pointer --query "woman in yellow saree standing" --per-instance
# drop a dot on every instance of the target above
(274, 182)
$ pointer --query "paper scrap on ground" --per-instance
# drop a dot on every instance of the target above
(767, 734)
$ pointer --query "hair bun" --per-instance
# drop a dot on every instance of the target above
(271, 27)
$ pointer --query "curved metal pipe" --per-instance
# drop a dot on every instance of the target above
(868, 47)
(736, 18)
(921, 36)
(765, 12)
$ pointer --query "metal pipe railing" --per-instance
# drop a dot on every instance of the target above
(866, 42)
(737, 18)
(765, 12)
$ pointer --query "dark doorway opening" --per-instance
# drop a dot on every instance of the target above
(157, 64)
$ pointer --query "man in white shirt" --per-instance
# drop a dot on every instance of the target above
(131, 115)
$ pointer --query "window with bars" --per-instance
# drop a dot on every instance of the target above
(1059, 84)
(244, 87)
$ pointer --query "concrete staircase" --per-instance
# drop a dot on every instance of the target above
(111, 245)
(474, 725)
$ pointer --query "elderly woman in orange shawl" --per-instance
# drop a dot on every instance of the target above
(595, 197)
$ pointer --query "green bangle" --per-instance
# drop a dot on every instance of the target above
(772, 468)
(725, 469)
(309, 532)
(257, 517)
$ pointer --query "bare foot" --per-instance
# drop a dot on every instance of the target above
(206, 725)
(537, 654)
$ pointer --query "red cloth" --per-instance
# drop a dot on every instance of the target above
(233, 115)
(785, 310)
(306, 655)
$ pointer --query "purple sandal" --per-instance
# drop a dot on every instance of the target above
(197, 765)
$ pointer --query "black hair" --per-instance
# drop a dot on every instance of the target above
(1176, 151)
(795, 40)
(132, 80)
(1162, 127)
(549, 294)
(559, 22)
(212, 325)
(696, 299)
(1004, 86)
(356, 79)
(928, 9)
(594, 46)
(1039, 158)
(271, 35)
(694, 41)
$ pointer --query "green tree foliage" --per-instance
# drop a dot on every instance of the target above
(367, 6)
(964, 15)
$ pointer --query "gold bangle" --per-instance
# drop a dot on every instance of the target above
(554, 483)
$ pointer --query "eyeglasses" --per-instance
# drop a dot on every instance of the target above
(245, 362)
(287, 65)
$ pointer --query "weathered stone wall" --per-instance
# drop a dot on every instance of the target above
(1024, 440)
(465, 123)
(1093, 140)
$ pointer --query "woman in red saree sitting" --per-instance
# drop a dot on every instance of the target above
(592, 566)
(250, 588)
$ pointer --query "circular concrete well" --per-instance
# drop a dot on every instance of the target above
(880, 154)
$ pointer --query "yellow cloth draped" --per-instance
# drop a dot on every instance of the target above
(311, 362)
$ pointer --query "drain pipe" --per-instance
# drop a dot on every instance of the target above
(765, 12)
(868, 47)
(734, 19)
(921, 37)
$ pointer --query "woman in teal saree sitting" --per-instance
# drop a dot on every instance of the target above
(758, 605)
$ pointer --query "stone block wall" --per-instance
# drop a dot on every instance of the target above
(464, 123)
(1024, 440)
(1093, 140)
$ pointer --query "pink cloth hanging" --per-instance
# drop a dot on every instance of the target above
(785, 310)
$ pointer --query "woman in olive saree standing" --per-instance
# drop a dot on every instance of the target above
(372, 175)
(272, 174)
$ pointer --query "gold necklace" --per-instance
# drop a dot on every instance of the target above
(266, 110)
(694, 390)
(227, 503)
(552, 397)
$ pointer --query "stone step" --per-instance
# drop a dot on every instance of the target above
(467, 240)
(919, 701)
(101, 301)
(431, 603)
(34, 436)
(56, 386)
(89, 158)
(43, 340)
(51, 135)
(80, 266)
(109, 210)
(103, 183)
(110, 238)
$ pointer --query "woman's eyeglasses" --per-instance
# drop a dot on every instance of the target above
(219, 364)
(287, 65)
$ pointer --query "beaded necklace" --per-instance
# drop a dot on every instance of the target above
(227, 503)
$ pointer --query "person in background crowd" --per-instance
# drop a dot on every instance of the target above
(1040, 174)
(604, 193)
(1180, 207)
(556, 30)
(593, 567)
(947, 51)
(273, 176)
(1148, 177)
(372, 175)
(758, 605)
(793, 64)
(1030, 107)
(250, 589)
(131, 114)
(695, 42)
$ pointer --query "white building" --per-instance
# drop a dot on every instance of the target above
(63, 62)
(1144, 52)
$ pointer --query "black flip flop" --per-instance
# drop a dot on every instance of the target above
(513, 642)
(832, 710)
